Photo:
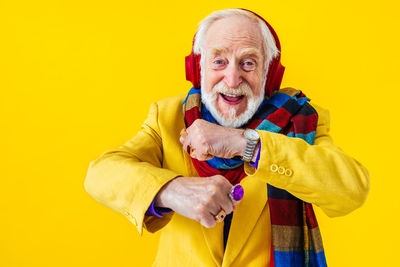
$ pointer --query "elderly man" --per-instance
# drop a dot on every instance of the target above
(231, 180)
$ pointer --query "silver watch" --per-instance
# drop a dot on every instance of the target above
(252, 137)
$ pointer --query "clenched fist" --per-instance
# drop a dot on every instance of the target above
(198, 198)
(204, 140)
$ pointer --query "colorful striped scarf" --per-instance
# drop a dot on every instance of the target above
(296, 240)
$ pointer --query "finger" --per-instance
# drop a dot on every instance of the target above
(227, 205)
(208, 221)
(197, 153)
(192, 152)
(183, 136)
(212, 205)
(183, 133)
(186, 144)
(225, 201)
(202, 156)
(208, 157)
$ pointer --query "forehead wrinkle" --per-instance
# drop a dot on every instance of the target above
(247, 40)
(225, 45)
(251, 51)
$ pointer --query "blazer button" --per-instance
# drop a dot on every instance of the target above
(281, 170)
(288, 172)
(274, 167)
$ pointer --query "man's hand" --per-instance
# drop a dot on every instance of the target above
(204, 140)
(198, 198)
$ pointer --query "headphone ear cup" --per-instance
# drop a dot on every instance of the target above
(274, 77)
(193, 70)
(278, 75)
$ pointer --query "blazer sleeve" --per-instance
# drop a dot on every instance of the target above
(321, 174)
(128, 178)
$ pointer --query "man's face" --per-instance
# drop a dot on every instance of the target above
(233, 70)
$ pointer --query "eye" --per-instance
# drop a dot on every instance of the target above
(219, 63)
(248, 65)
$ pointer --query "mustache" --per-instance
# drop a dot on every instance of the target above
(243, 89)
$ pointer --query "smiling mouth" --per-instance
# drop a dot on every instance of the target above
(231, 99)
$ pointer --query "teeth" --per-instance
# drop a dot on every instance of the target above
(232, 95)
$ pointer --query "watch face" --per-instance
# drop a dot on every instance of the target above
(252, 134)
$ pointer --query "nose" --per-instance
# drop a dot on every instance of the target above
(232, 76)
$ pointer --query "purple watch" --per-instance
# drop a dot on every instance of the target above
(237, 193)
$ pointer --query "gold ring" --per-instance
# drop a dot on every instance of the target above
(220, 216)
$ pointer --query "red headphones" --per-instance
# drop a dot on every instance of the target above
(275, 71)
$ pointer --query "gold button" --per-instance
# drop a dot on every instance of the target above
(288, 172)
(274, 167)
(281, 170)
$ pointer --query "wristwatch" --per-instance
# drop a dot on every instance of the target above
(252, 137)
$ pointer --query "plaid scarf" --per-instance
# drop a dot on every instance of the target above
(296, 240)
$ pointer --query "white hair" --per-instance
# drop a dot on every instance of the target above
(269, 45)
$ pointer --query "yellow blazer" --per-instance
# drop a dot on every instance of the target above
(128, 178)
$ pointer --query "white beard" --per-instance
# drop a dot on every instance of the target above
(232, 120)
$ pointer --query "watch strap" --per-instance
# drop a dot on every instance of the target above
(249, 151)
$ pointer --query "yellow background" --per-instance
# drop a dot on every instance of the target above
(77, 78)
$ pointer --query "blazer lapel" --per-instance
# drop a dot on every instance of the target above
(245, 217)
(215, 242)
(213, 236)
(243, 220)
